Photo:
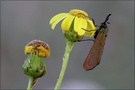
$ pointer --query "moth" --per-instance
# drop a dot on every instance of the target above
(94, 56)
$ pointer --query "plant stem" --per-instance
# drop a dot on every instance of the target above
(69, 46)
(31, 83)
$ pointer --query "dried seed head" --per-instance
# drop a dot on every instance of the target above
(37, 47)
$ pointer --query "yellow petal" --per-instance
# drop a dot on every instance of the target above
(79, 24)
(90, 34)
(57, 18)
(54, 18)
(67, 22)
(75, 12)
(91, 27)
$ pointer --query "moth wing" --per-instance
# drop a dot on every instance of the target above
(95, 53)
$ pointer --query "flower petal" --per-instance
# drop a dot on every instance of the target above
(90, 27)
(57, 18)
(67, 22)
(79, 24)
(54, 18)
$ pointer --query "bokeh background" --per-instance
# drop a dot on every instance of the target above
(23, 21)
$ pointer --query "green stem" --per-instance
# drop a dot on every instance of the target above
(31, 83)
(69, 46)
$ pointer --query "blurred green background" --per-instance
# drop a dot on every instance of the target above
(23, 21)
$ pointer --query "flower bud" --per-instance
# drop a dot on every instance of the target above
(72, 36)
(34, 65)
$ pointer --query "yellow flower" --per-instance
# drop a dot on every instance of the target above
(37, 47)
(76, 20)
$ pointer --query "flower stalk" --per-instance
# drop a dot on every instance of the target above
(34, 66)
(32, 81)
(72, 26)
(68, 49)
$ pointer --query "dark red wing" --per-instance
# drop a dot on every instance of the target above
(95, 53)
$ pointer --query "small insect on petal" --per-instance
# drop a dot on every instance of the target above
(95, 53)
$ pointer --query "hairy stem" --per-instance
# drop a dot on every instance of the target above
(69, 46)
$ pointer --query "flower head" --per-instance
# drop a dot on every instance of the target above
(76, 20)
(37, 47)
(34, 65)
